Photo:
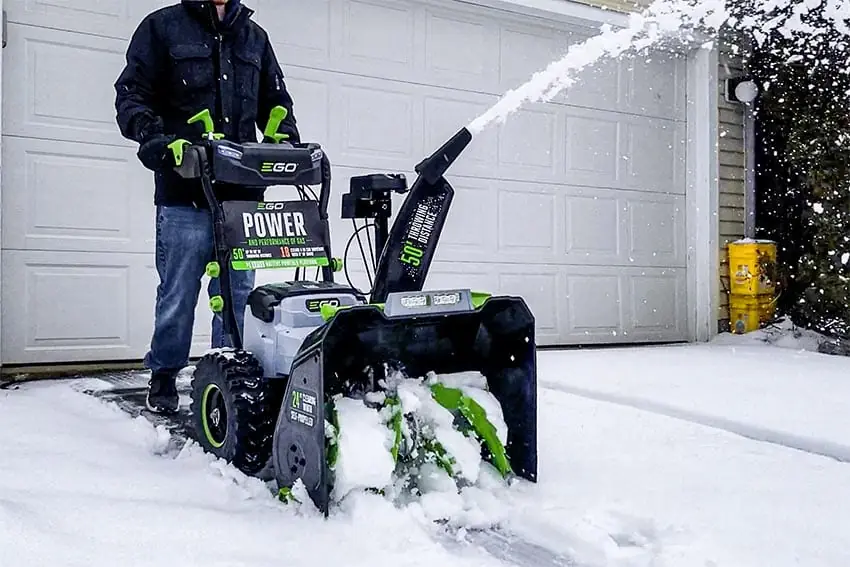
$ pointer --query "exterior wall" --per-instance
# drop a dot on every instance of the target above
(732, 159)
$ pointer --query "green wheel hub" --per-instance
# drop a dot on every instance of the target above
(214, 415)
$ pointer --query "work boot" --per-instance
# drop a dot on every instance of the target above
(162, 392)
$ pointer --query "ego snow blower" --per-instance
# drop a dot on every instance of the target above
(274, 397)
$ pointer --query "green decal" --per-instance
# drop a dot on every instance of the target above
(213, 270)
(479, 298)
(177, 147)
(278, 167)
(205, 117)
(411, 255)
(276, 116)
(315, 305)
(476, 416)
(271, 263)
(217, 304)
(444, 460)
(205, 418)
(328, 311)
(285, 495)
(395, 423)
(332, 436)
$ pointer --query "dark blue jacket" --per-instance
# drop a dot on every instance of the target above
(182, 60)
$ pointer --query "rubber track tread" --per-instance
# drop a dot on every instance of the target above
(255, 417)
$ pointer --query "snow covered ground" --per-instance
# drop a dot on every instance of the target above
(664, 457)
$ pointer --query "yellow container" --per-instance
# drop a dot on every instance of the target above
(750, 312)
(752, 267)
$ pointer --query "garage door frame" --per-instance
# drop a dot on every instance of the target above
(2, 56)
(702, 192)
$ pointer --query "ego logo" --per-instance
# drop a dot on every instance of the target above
(271, 205)
(315, 305)
(278, 167)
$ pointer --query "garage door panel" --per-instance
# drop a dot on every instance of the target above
(53, 102)
(394, 43)
(528, 144)
(525, 49)
(540, 287)
(471, 228)
(592, 152)
(595, 306)
(379, 124)
(656, 299)
(302, 31)
(72, 306)
(656, 231)
(655, 152)
(594, 229)
(655, 85)
(598, 86)
(75, 197)
(310, 92)
(114, 18)
(527, 223)
(469, 66)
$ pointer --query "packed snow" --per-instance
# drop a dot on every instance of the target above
(647, 457)
(365, 439)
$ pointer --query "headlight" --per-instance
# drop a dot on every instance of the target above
(414, 301)
(446, 299)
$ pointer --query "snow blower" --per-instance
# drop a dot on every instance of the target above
(272, 398)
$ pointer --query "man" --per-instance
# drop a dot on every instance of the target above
(183, 59)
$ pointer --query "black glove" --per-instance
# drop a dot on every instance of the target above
(284, 143)
(155, 154)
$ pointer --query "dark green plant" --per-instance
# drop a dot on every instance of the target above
(804, 177)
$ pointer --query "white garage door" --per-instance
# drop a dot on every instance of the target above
(577, 205)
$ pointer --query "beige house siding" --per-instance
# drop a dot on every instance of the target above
(732, 174)
(731, 157)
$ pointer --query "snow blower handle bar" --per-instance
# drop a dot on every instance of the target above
(270, 134)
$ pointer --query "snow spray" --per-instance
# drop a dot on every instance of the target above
(676, 20)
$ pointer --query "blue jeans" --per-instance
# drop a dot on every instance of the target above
(184, 246)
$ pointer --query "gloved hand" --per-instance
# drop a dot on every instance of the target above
(284, 143)
(155, 154)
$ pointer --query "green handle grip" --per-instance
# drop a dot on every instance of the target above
(213, 270)
(276, 116)
(205, 117)
(177, 147)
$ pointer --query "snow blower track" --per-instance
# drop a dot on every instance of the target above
(127, 391)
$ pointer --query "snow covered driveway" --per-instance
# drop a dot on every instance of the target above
(662, 457)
